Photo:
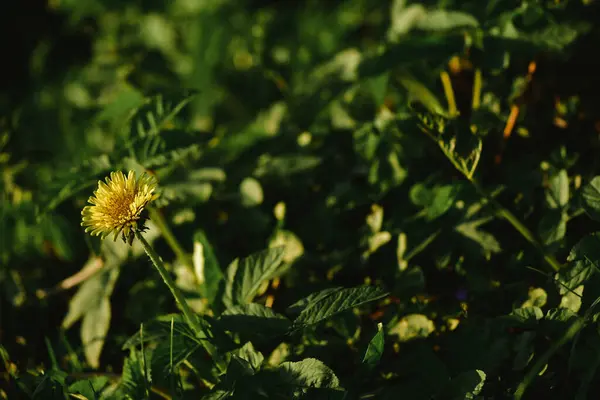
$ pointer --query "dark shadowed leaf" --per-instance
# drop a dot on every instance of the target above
(254, 319)
(591, 198)
(245, 276)
(583, 263)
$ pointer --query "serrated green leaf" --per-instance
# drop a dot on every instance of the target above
(331, 302)
(245, 276)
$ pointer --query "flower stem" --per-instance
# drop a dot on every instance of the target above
(519, 226)
(181, 302)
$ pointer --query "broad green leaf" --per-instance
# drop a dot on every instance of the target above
(251, 192)
(206, 266)
(591, 198)
(378, 86)
(557, 195)
(254, 319)
(308, 373)
(91, 304)
(486, 240)
(375, 348)
(325, 306)
(285, 165)
(537, 297)
(300, 305)
(572, 299)
(583, 263)
(249, 354)
(444, 20)
(553, 226)
(412, 326)
(290, 241)
(245, 276)
(94, 326)
(526, 317)
(415, 16)
(443, 199)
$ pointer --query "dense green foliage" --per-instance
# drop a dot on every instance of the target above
(359, 200)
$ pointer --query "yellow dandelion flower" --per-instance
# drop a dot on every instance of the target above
(117, 205)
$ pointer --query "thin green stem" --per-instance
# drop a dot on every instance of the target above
(180, 300)
(519, 226)
(573, 330)
(502, 211)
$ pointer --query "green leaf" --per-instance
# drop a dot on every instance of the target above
(557, 195)
(92, 304)
(443, 199)
(308, 373)
(170, 352)
(251, 192)
(245, 276)
(467, 385)
(444, 20)
(583, 263)
(412, 326)
(419, 92)
(301, 304)
(206, 266)
(90, 388)
(133, 379)
(436, 49)
(553, 226)
(375, 348)
(486, 240)
(50, 386)
(254, 319)
(249, 354)
(94, 327)
(525, 317)
(591, 198)
(331, 302)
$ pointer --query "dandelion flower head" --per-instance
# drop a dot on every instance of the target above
(117, 205)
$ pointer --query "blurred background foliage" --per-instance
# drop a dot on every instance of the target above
(299, 123)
